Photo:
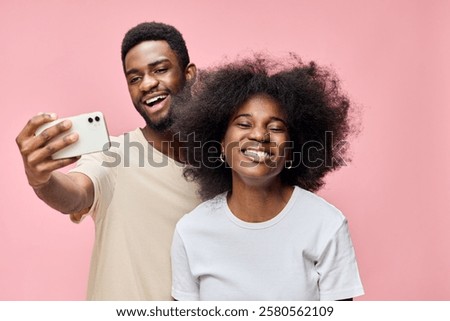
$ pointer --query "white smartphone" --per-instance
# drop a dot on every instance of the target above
(92, 131)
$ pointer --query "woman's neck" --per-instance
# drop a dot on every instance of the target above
(252, 203)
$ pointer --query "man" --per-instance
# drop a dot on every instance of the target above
(135, 192)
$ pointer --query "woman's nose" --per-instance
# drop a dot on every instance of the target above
(260, 134)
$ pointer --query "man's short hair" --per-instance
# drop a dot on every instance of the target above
(147, 31)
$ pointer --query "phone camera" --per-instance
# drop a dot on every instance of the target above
(97, 118)
(90, 119)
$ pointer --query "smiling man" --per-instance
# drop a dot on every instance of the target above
(134, 205)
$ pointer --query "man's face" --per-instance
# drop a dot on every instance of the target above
(153, 75)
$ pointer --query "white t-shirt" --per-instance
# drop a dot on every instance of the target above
(140, 194)
(304, 253)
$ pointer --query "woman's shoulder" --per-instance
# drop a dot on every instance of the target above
(316, 206)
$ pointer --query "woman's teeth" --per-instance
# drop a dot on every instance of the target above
(256, 154)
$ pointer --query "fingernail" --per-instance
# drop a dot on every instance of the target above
(73, 137)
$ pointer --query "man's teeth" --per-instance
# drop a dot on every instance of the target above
(155, 99)
(256, 154)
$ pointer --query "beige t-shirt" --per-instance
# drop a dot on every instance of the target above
(140, 194)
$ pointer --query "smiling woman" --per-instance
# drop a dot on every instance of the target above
(262, 234)
(254, 147)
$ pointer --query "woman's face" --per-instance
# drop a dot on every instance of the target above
(256, 141)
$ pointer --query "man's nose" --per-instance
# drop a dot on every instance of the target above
(148, 83)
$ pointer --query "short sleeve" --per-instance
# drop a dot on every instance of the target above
(185, 287)
(337, 267)
(97, 167)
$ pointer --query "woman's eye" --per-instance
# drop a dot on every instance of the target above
(276, 129)
(244, 125)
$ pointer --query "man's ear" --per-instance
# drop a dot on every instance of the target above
(190, 72)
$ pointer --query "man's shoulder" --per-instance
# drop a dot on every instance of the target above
(204, 211)
(130, 136)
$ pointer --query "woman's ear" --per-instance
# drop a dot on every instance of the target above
(222, 152)
(289, 158)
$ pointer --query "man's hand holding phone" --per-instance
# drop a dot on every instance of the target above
(36, 150)
(47, 143)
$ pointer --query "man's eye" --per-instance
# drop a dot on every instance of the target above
(134, 80)
(243, 125)
(160, 70)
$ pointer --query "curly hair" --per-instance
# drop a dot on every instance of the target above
(156, 31)
(317, 114)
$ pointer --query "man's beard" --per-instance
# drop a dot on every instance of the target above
(178, 101)
(161, 125)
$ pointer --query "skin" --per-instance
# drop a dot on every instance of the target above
(154, 68)
(257, 193)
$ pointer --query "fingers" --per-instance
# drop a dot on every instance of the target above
(51, 132)
(39, 152)
(28, 142)
(25, 140)
(36, 150)
(34, 123)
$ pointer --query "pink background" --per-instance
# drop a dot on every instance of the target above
(392, 56)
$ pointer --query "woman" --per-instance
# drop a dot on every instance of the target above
(263, 142)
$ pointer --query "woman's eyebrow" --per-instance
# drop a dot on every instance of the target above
(271, 118)
(278, 119)
(242, 115)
